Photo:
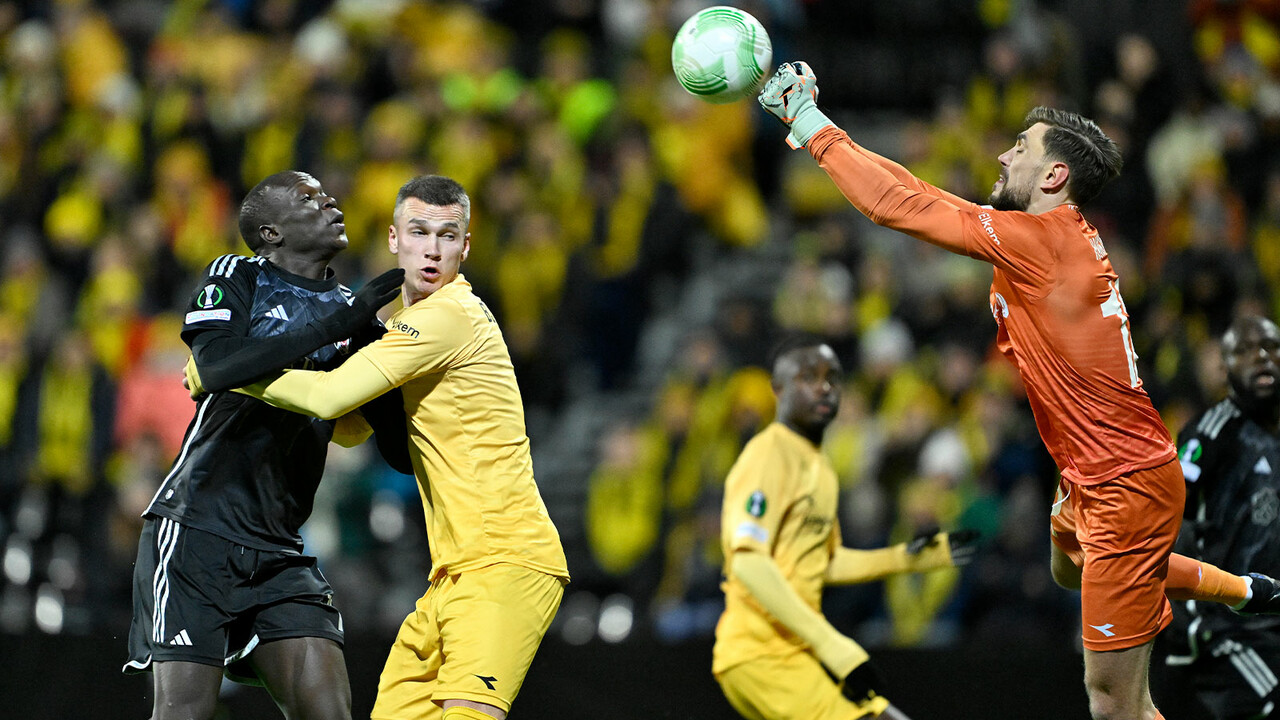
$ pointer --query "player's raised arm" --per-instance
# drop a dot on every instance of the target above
(927, 551)
(326, 395)
(225, 357)
(882, 190)
(423, 339)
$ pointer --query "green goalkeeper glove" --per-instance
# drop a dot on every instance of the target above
(791, 95)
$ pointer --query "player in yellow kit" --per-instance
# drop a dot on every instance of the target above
(498, 569)
(775, 655)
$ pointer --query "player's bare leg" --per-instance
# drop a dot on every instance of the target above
(492, 711)
(1065, 572)
(1116, 681)
(307, 677)
(185, 690)
(1191, 579)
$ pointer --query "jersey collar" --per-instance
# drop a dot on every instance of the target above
(329, 282)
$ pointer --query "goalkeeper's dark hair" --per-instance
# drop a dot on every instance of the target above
(435, 190)
(790, 343)
(1077, 141)
(256, 209)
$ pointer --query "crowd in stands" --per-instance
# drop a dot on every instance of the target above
(642, 249)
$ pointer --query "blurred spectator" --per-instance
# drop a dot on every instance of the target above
(641, 247)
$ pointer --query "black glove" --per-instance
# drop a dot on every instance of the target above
(963, 544)
(364, 307)
(864, 683)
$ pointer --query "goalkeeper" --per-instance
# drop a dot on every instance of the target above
(775, 655)
(1061, 320)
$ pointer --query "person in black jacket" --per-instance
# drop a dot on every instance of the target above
(1230, 456)
(221, 582)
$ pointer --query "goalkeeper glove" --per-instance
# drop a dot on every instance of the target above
(961, 545)
(791, 95)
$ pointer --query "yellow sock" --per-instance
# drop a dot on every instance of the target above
(460, 712)
(1191, 579)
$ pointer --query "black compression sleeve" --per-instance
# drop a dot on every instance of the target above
(228, 361)
(385, 414)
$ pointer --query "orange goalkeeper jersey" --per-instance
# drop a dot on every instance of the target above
(1056, 301)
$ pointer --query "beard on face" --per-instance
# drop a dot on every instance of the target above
(1010, 198)
(1255, 402)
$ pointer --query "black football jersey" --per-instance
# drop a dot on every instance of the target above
(248, 471)
(1232, 469)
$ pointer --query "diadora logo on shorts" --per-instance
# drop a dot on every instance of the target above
(488, 680)
(1104, 629)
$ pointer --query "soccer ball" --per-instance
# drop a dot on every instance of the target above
(720, 54)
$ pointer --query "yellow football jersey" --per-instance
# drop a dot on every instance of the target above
(780, 499)
(466, 422)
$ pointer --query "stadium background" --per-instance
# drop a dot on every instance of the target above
(642, 250)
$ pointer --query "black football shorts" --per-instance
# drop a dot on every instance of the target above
(198, 597)
(1236, 677)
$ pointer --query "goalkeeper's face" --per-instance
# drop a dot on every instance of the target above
(429, 242)
(1020, 168)
(808, 381)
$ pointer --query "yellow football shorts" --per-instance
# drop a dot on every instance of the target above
(791, 686)
(471, 637)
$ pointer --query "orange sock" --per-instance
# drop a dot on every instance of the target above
(1190, 579)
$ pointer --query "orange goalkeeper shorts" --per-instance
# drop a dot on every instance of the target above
(1121, 533)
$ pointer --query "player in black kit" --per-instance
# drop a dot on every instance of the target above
(221, 583)
(1230, 457)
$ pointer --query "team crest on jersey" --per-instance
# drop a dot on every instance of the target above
(1099, 251)
(757, 504)
(210, 296)
(1266, 506)
(999, 307)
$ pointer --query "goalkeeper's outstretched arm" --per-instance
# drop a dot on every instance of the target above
(882, 190)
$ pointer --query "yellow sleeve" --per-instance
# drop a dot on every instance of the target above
(425, 338)
(762, 578)
(351, 430)
(326, 395)
(755, 498)
(849, 566)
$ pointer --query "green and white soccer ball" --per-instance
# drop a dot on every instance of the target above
(720, 54)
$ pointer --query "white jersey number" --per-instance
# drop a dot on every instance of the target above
(1114, 306)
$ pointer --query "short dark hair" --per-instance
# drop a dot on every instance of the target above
(791, 342)
(435, 190)
(1077, 141)
(256, 209)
